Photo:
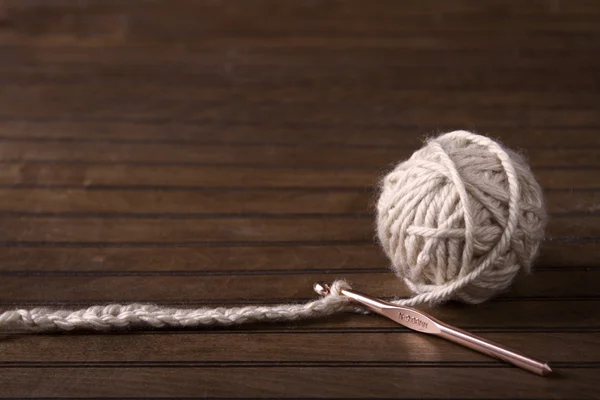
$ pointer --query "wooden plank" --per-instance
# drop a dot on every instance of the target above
(85, 153)
(227, 176)
(337, 136)
(252, 346)
(336, 18)
(295, 258)
(422, 7)
(209, 85)
(213, 382)
(293, 201)
(107, 58)
(206, 202)
(94, 260)
(31, 79)
(547, 284)
(130, 105)
(206, 230)
(228, 229)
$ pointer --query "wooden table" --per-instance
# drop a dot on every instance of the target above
(194, 153)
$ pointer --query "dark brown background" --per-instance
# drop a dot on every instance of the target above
(226, 152)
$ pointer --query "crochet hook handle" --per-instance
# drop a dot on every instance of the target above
(422, 322)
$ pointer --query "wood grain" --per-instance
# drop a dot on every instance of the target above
(104, 202)
(227, 347)
(188, 230)
(239, 258)
(56, 175)
(225, 381)
(269, 133)
(193, 153)
(86, 153)
(549, 284)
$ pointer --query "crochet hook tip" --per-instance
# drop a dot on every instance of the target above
(322, 289)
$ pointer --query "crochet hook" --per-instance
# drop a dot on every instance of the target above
(422, 322)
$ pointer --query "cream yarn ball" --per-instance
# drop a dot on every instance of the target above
(460, 219)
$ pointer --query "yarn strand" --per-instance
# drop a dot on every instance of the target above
(140, 316)
(458, 221)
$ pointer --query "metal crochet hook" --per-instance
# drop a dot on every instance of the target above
(422, 322)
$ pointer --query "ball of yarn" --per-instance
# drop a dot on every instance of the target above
(460, 219)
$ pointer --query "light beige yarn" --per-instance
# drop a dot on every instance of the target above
(460, 219)
(141, 316)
